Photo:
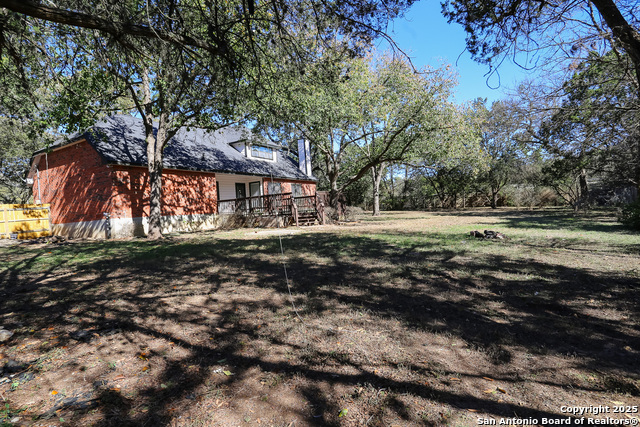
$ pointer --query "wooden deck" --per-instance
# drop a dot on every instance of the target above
(301, 210)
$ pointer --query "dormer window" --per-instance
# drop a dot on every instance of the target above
(257, 148)
(260, 152)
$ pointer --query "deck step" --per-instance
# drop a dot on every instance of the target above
(306, 218)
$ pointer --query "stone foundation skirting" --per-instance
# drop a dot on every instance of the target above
(139, 226)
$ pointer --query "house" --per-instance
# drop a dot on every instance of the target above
(97, 181)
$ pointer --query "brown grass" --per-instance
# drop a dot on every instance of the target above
(399, 320)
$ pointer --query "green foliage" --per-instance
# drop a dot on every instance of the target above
(630, 215)
(362, 115)
(19, 138)
(503, 152)
(567, 177)
(562, 31)
(599, 120)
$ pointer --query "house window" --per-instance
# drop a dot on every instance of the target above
(274, 188)
(241, 190)
(254, 193)
(262, 152)
(296, 190)
(254, 189)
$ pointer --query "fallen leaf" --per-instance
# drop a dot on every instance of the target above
(489, 390)
(146, 368)
(227, 373)
(472, 410)
(116, 389)
(488, 379)
(454, 379)
(54, 392)
(615, 402)
(343, 413)
(501, 390)
(119, 377)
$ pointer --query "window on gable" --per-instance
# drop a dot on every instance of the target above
(262, 152)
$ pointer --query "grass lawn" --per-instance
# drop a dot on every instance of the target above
(402, 319)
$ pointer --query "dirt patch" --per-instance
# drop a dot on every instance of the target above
(399, 320)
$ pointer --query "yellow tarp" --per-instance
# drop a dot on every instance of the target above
(24, 221)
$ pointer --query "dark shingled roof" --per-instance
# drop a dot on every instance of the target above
(120, 140)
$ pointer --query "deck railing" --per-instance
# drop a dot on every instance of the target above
(305, 203)
(272, 204)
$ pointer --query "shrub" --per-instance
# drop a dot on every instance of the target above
(353, 213)
(331, 214)
(630, 215)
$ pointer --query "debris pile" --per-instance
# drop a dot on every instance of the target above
(59, 240)
(5, 334)
(488, 234)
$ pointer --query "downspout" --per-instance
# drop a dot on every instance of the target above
(39, 187)
(46, 160)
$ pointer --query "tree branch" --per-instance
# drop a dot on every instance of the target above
(84, 20)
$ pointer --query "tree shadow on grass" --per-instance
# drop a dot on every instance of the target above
(130, 290)
(549, 219)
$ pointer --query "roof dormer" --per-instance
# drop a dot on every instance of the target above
(260, 149)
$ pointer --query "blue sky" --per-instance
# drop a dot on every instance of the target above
(428, 39)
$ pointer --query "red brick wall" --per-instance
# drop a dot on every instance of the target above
(76, 183)
(183, 192)
(308, 187)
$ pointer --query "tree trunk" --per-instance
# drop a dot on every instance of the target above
(393, 186)
(155, 144)
(583, 200)
(154, 156)
(334, 193)
(377, 172)
(494, 198)
(637, 174)
(405, 188)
